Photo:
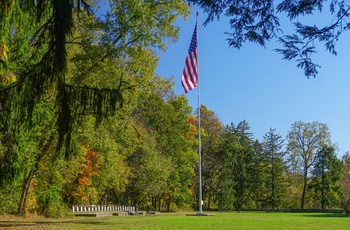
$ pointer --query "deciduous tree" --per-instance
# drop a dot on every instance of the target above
(127, 26)
(345, 183)
(212, 129)
(259, 21)
(305, 140)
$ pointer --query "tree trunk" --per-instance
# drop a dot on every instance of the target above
(126, 197)
(159, 202)
(168, 205)
(304, 190)
(323, 197)
(209, 198)
(273, 184)
(154, 202)
(22, 208)
(273, 195)
(116, 198)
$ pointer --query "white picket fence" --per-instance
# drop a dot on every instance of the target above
(102, 208)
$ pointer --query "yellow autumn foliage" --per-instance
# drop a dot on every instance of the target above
(8, 78)
(3, 51)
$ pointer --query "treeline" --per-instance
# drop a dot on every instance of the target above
(300, 171)
(84, 119)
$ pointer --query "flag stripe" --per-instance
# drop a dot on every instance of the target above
(194, 64)
(190, 74)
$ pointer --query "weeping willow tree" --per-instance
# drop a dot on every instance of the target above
(35, 64)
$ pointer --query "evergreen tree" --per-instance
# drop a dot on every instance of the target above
(237, 154)
(325, 177)
(128, 27)
(274, 164)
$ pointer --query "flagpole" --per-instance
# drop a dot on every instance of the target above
(190, 80)
(199, 130)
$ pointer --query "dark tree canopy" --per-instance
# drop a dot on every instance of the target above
(258, 21)
(127, 26)
(49, 39)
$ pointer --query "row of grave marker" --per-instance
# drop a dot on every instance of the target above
(102, 208)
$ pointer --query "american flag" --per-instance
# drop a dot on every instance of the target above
(190, 75)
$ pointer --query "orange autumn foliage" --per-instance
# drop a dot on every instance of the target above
(90, 167)
(192, 129)
(192, 120)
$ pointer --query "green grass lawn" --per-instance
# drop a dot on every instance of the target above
(232, 220)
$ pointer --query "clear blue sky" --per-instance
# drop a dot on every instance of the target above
(256, 85)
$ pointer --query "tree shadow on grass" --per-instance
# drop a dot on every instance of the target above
(11, 224)
(7, 224)
(328, 215)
